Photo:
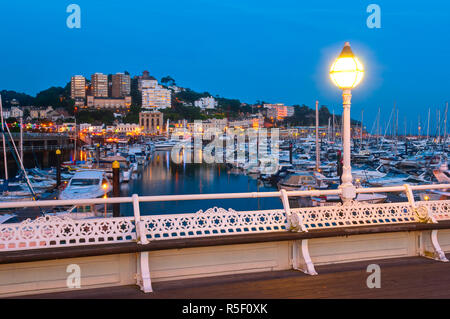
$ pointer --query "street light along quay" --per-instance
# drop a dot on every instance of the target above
(347, 72)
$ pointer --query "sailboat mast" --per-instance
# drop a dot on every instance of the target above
(5, 160)
(396, 127)
(428, 124)
(317, 137)
(445, 122)
(362, 126)
(334, 131)
(378, 124)
(21, 139)
(405, 127)
(75, 143)
(439, 126)
(418, 126)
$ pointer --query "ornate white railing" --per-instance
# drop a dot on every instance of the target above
(54, 231)
(354, 214)
(213, 222)
(440, 209)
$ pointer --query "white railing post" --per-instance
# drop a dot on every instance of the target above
(143, 270)
(141, 235)
(294, 220)
(424, 215)
(421, 213)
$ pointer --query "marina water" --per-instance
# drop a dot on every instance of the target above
(164, 177)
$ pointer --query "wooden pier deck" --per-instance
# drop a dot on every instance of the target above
(412, 277)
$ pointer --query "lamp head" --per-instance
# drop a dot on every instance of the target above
(347, 72)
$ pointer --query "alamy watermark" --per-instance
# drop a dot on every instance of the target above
(253, 146)
(374, 279)
(74, 19)
(374, 19)
(74, 277)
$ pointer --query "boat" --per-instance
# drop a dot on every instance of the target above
(87, 184)
(298, 180)
(8, 218)
(367, 173)
(165, 145)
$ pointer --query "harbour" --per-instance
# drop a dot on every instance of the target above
(224, 151)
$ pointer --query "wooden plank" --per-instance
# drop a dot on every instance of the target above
(31, 255)
(411, 277)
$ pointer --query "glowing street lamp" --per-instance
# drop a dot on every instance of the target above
(347, 72)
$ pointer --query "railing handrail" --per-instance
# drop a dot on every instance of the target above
(63, 230)
(160, 198)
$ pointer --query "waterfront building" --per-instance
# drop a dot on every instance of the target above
(305, 131)
(206, 103)
(16, 112)
(121, 85)
(84, 127)
(78, 87)
(40, 113)
(254, 121)
(99, 82)
(151, 83)
(176, 89)
(127, 128)
(66, 127)
(279, 111)
(158, 98)
(6, 113)
(109, 103)
(146, 81)
(214, 124)
(58, 114)
(151, 122)
(89, 128)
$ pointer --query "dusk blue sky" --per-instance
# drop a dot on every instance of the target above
(276, 51)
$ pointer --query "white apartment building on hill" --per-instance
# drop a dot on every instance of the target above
(99, 83)
(78, 87)
(206, 103)
(156, 98)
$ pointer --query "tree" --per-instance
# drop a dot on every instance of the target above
(133, 115)
(168, 81)
(22, 98)
(96, 117)
(136, 97)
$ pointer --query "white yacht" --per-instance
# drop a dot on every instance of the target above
(165, 145)
(87, 184)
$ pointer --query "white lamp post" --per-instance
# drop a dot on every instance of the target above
(347, 72)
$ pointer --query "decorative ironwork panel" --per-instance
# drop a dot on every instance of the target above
(53, 231)
(213, 222)
(440, 209)
(352, 214)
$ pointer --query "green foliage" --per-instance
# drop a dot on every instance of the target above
(179, 112)
(168, 81)
(232, 106)
(22, 98)
(96, 117)
(306, 116)
(136, 98)
(57, 97)
(133, 115)
(190, 96)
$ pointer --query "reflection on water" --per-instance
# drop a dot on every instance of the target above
(164, 177)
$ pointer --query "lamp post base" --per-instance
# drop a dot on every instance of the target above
(348, 192)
